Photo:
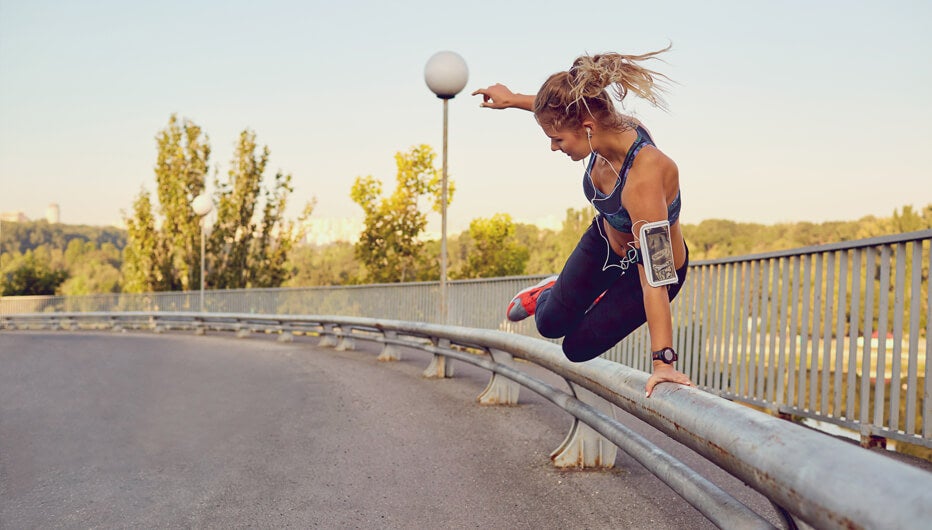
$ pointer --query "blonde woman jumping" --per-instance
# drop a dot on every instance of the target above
(611, 283)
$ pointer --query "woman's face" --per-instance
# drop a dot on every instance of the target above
(573, 142)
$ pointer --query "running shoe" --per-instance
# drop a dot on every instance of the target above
(525, 302)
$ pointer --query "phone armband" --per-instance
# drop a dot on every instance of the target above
(657, 253)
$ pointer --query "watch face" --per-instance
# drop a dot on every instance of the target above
(667, 355)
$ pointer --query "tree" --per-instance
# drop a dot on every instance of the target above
(333, 264)
(180, 171)
(493, 250)
(91, 270)
(140, 270)
(30, 274)
(251, 240)
(389, 245)
(162, 254)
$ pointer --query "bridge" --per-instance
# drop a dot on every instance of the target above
(788, 333)
(174, 430)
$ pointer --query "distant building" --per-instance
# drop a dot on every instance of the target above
(13, 217)
(53, 213)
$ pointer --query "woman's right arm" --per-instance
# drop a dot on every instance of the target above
(498, 96)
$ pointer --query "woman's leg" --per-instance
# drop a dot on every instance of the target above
(584, 277)
(618, 313)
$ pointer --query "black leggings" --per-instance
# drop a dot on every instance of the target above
(593, 268)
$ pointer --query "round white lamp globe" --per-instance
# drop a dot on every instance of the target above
(202, 204)
(446, 74)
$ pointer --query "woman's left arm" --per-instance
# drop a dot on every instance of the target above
(645, 199)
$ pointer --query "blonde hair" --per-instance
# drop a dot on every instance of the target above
(567, 98)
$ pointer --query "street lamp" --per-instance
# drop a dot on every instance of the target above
(202, 206)
(446, 75)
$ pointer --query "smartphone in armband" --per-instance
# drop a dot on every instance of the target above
(657, 253)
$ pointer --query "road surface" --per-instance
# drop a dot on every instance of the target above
(176, 430)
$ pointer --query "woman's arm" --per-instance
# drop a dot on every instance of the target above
(645, 200)
(498, 96)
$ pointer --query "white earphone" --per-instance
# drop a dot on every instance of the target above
(588, 132)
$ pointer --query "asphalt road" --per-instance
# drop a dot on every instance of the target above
(139, 430)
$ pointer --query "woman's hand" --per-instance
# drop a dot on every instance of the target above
(498, 96)
(666, 373)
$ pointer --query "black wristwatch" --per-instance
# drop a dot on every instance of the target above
(666, 355)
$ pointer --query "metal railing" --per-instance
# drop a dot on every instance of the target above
(783, 461)
(791, 331)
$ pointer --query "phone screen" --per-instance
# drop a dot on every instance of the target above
(657, 253)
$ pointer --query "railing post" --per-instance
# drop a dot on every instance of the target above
(583, 447)
(390, 352)
(440, 366)
(346, 340)
(327, 337)
(500, 390)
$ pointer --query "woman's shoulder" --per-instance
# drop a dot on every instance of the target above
(650, 162)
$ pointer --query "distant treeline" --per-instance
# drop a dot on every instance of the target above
(30, 235)
(546, 250)
(41, 258)
(713, 239)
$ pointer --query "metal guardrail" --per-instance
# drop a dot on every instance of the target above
(790, 331)
(808, 477)
(838, 333)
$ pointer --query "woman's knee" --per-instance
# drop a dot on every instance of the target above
(551, 328)
(581, 351)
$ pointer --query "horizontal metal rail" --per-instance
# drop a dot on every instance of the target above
(809, 477)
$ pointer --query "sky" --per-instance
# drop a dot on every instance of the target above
(779, 111)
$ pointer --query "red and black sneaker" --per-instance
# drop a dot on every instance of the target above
(525, 302)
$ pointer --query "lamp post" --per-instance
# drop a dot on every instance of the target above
(446, 75)
(202, 206)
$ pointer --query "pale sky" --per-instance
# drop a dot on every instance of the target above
(782, 110)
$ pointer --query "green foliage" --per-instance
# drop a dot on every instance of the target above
(31, 274)
(333, 264)
(164, 242)
(491, 249)
(389, 246)
(180, 170)
(20, 237)
(251, 240)
(719, 238)
(250, 243)
(141, 273)
(35, 258)
(92, 270)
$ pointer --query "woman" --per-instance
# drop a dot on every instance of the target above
(597, 300)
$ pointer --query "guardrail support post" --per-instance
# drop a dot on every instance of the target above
(390, 352)
(583, 447)
(500, 390)
(440, 367)
(346, 342)
(327, 338)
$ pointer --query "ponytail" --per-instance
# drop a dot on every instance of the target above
(566, 95)
(591, 74)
